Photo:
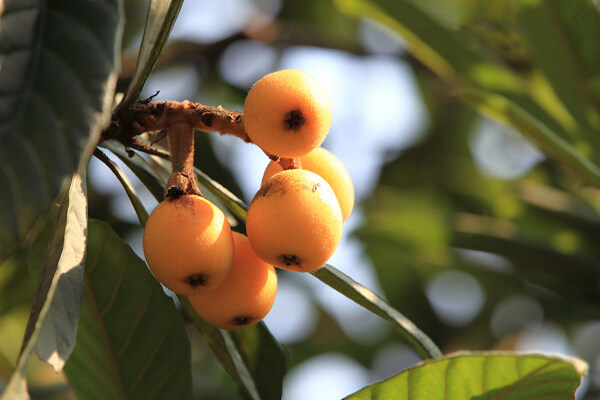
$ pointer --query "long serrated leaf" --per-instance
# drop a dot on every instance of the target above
(482, 375)
(505, 110)
(369, 300)
(59, 63)
(131, 342)
(160, 19)
(52, 325)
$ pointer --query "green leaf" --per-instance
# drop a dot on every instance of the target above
(136, 163)
(139, 208)
(160, 19)
(484, 375)
(449, 53)
(250, 355)
(131, 342)
(552, 48)
(52, 324)
(264, 357)
(59, 64)
(222, 345)
(507, 111)
(559, 97)
(369, 300)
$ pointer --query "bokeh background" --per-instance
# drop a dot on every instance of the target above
(460, 223)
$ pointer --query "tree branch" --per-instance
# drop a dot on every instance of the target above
(144, 116)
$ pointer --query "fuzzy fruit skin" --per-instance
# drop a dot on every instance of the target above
(329, 167)
(188, 237)
(294, 221)
(247, 294)
(267, 107)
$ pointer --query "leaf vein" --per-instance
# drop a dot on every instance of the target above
(522, 379)
(120, 385)
(116, 287)
(148, 363)
(93, 265)
(134, 327)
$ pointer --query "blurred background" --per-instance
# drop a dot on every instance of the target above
(460, 223)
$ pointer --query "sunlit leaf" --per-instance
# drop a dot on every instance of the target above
(52, 324)
(131, 342)
(59, 63)
(485, 375)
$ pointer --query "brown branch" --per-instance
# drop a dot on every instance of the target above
(144, 116)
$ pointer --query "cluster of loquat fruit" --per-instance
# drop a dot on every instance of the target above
(294, 221)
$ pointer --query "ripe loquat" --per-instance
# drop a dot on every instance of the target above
(329, 167)
(287, 113)
(294, 221)
(188, 244)
(247, 294)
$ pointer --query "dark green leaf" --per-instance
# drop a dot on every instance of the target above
(52, 324)
(366, 298)
(264, 357)
(131, 342)
(222, 345)
(485, 375)
(251, 355)
(59, 62)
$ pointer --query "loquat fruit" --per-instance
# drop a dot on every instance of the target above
(294, 221)
(247, 294)
(329, 167)
(188, 244)
(287, 113)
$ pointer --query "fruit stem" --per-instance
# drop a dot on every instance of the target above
(182, 180)
(290, 163)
